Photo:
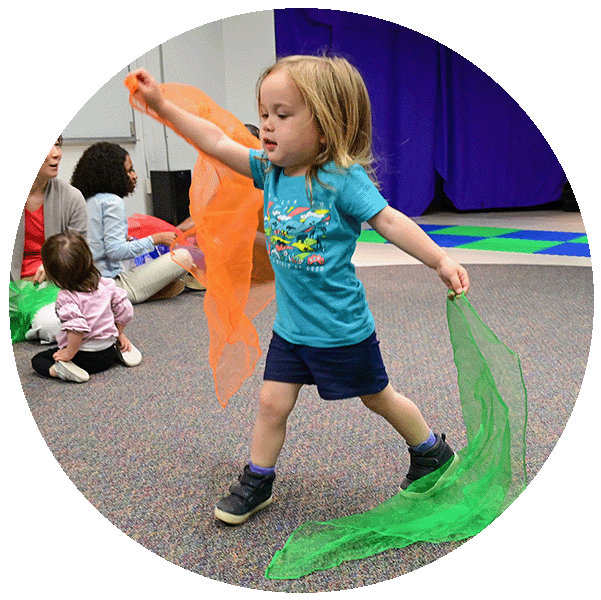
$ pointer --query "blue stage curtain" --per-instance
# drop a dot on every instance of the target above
(435, 115)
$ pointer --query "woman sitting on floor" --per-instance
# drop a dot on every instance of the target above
(105, 175)
(52, 206)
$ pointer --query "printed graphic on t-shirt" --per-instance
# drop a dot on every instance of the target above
(296, 235)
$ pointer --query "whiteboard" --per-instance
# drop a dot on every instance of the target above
(107, 115)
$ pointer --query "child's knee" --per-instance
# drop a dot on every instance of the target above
(182, 257)
(378, 402)
(372, 402)
(273, 407)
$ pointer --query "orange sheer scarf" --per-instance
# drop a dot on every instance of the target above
(232, 263)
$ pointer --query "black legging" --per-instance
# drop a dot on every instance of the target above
(92, 362)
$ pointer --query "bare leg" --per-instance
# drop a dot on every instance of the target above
(401, 413)
(276, 403)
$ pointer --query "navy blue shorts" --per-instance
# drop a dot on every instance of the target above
(338, 373)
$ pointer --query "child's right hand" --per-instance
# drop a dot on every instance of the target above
(148, 90)
(63, 355)
(164, 237)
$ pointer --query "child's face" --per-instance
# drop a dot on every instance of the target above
(131, 174)
(289, 134)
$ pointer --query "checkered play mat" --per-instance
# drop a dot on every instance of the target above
(500, 239)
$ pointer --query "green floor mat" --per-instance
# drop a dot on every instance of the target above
(369, 235)
(580, 240)
(474, 231)
(499, 239)
(509, 245)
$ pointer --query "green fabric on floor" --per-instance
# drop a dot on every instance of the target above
(24, 300)
(489, 475)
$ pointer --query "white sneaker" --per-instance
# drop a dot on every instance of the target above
(132, 358)
(69, 371)
(192, 283)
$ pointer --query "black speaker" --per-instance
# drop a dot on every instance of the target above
(170, 195)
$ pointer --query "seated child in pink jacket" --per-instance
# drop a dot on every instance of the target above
(92, 311)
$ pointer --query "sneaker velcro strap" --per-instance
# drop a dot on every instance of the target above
(247, 485)
(424, 461)
(244, 492)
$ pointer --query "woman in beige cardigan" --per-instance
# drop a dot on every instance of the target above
(52, 206)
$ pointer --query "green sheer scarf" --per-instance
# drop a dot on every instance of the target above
(488, 476)
(24, 300)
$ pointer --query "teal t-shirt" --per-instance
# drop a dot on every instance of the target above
(320, 301)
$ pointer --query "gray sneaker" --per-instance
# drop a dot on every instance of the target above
(69, 371)
(250, 494)
(424, 463)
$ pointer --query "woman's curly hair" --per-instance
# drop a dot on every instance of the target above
(101, 169)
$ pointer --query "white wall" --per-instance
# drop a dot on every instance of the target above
(223, 59)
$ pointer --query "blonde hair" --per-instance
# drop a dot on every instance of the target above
(337, 98)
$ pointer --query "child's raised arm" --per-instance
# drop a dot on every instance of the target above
(405, 234)
(205, 135)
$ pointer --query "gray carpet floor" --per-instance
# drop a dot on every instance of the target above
(151, 448)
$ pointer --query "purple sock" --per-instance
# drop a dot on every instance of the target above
(261, 470)
(425, 446)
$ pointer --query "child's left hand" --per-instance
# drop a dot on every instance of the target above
(123, 343)
(454, 276)
(40, 275)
